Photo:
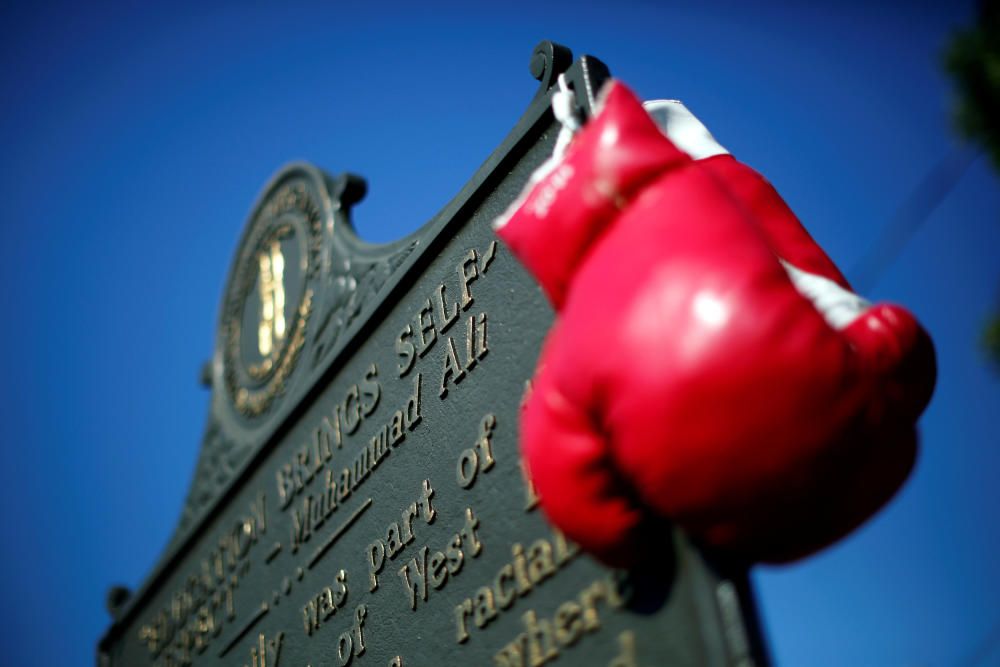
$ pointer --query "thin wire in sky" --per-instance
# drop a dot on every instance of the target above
(915, 210)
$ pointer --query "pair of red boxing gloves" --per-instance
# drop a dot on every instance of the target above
(709, 365)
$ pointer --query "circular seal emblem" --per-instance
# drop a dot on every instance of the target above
(269, 298)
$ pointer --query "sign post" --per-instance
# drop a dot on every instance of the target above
(359, 498)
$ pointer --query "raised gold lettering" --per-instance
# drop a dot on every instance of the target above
(520, 570)
(266, 653)
(425, 326)
(396, 538)
(455, 555)
(195, 613)
(543, 639)
(351, 642)
(351, 410)
(626, 655)
(462, 612)
(415, 569)
(540, 563)
(568, 624)
(445, 319)
(476, 347)
(371, 391)
(438, 572)
(344, 488)
(393, 542)
(396, 433)
(466, 277)
(523, 573)
(468, 532)
(315, 509)
(588, 600)
(504, 596)
(307, 461)
(479, 457)
(406, 351)
(530, 495)
(376, 561)
(453, 371)
(413, 406)
(485, 611)
(541, 647)
(415, 573)
(324, 604)
(437, 314)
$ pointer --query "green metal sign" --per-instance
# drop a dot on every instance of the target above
(359, 498)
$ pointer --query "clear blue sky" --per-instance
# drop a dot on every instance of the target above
(134, 140)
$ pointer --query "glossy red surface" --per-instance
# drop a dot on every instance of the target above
(686, 377)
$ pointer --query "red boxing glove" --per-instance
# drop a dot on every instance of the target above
(709, 364)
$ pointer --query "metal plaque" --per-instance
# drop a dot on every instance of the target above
(359, 498)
